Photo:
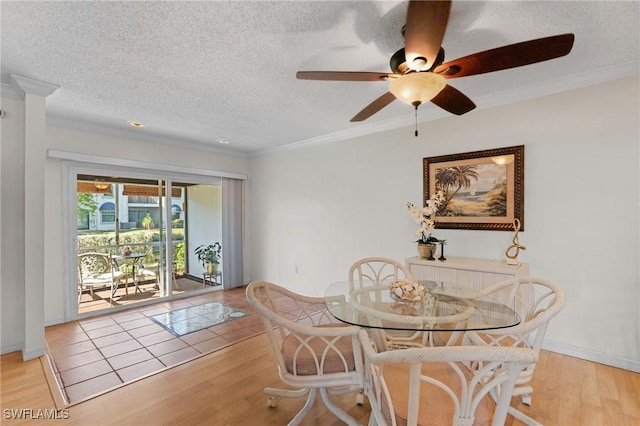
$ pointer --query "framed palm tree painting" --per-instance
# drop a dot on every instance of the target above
(482, 189)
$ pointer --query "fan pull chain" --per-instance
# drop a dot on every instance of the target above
(416, 113)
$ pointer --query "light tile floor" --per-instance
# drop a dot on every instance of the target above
(94, 355)
(195, 318)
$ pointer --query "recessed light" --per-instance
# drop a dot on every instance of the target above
(223, 141)
(135, 124)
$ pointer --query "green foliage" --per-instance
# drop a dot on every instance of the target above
(179, 256)
(208, 254)
(86, 203)
(176, 235)
(147, 222)
(429, 240)
(105, 242)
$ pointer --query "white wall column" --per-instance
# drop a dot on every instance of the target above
(35, 93)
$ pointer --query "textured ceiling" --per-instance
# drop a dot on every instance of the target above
(196, 72)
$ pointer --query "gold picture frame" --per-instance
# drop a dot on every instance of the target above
(483, 189)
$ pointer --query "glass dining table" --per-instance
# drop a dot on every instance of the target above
(442, 307)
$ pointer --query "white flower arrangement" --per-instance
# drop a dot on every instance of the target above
(425, 217)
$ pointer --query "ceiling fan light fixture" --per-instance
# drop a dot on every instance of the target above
(417, 88)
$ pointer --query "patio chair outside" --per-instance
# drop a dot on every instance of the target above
(98, 270)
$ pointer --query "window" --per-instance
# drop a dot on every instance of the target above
(108, 212)
(175, 212)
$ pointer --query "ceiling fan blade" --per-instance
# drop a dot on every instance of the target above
(452, 100)
(374, 107)
(511, 56)
(424, 31)
(343, 75)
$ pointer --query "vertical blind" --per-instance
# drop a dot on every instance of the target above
(232, 232)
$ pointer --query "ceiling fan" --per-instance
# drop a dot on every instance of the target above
(419, 72)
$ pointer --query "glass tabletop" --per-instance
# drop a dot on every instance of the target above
(440, 306)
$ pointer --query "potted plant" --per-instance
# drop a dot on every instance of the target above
(209, 256)
(425, 217)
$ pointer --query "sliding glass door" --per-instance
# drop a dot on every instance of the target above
(149, 228)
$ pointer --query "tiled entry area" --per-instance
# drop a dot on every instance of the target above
(94, 355)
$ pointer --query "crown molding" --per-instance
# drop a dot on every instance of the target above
(33, 87)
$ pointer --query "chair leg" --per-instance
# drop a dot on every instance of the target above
(295, 393)
(305, 409)
(339, 412)
(372, 420)
(286, 393)
(517, 414)
(523, 417)
(114, 287)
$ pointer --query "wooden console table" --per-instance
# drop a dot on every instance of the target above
(464, 271)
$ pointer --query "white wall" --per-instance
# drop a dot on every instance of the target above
(323, 207)
(12, 193)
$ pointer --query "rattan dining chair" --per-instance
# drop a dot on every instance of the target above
(433, 385)
(376, 271)
(537, 301)
(314, 352)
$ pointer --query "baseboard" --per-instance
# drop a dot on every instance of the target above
(33, 354)
(14, 347)
(26, 356)
(55, 321)
(589, 355)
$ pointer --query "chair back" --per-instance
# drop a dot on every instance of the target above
(537, 301)
(97, 270)
(377, 269)
(433, 385)
(309, 344)
(94, 263)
